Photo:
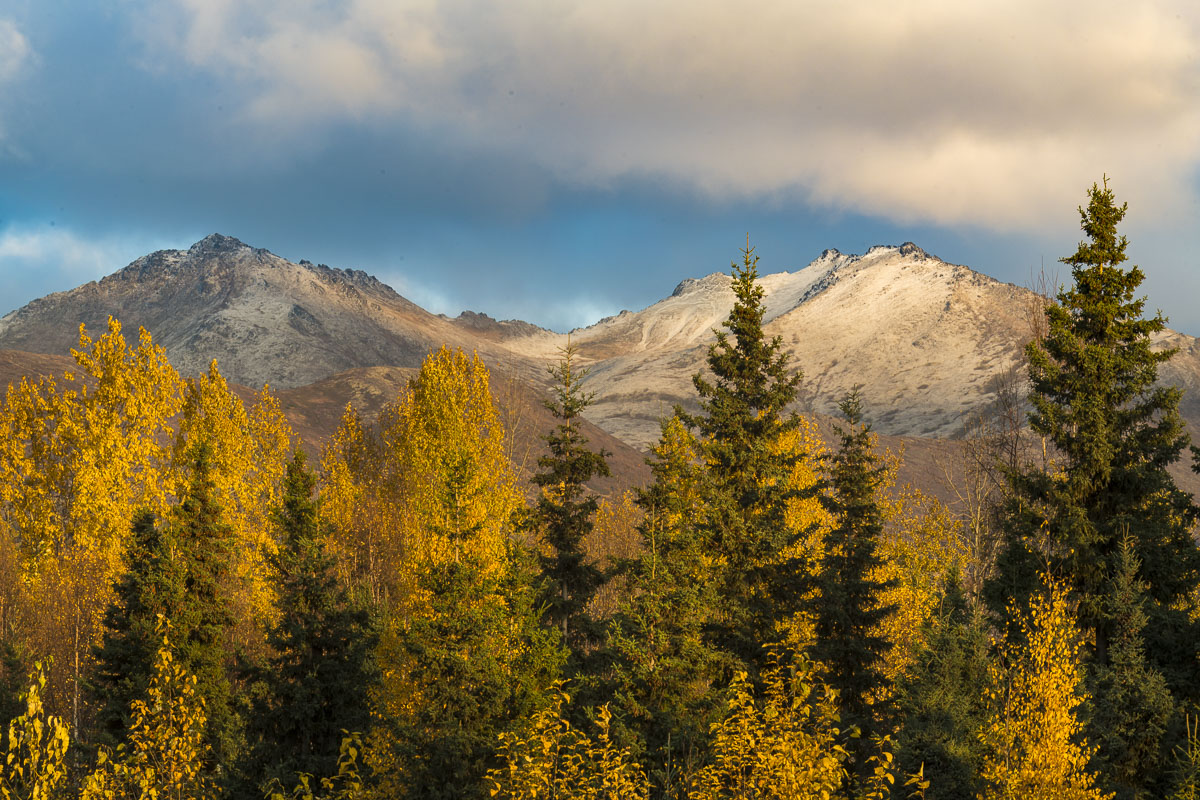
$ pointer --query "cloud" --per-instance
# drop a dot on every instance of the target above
(995, 113)
(36, 260)
(14, 50)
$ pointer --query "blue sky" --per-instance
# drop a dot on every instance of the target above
(558, 161)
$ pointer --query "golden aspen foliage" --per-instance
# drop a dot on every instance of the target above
(250, 450)
(80, 454)
(614, 537)
(34, 765)
(79, 457)
(1035, 744)
(805, 516)
(437, 472)
(445, 437)
(553, 760)
(358, 505)
(453, 532)
(783, 745)
(165, 755)
(347, 784)
(920, 548)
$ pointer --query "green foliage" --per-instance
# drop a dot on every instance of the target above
(1187, 764)
(662, 672)
(315, 681)
(1114, 432)
(36, 748)
(345, 784)
(165, 753)
(1132, 705)
(850, 608)
(551, 760)
(565, 510)
(176, 569)
(153, 586)
(941, 702)
(742, 418)
(472, 664)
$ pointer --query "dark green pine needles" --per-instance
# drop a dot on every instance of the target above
(177, 570)
(743, 416)
(1113, 433)
(850, 612)
(313, 685)
(565, 510)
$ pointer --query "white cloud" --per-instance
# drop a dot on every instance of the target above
(997, 113)
(14, 50)
(36, 260)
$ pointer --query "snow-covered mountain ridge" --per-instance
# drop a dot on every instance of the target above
(928, 341)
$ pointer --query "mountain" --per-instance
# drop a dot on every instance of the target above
(264, 318)
(929, 342)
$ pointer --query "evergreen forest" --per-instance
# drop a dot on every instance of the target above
(191, 607)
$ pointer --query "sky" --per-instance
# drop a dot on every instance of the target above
(558, 161)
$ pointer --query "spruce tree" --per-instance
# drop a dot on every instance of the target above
(565, 511)
(314, 684)
(152, 586)
(850, 609)
(477, 662)
(661, 671)
(176, 568)
(203, 621)
(941, 701)
(1113, 433)
(743, 415)
(1132, 707)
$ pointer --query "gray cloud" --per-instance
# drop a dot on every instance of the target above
(985, 113)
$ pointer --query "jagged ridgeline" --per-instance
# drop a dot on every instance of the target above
(425, 559)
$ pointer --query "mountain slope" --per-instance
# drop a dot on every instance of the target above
(265, 319)
(928, 341)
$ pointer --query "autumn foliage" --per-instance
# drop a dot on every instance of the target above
(186, 611)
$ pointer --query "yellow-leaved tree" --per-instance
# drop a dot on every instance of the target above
(79, 456)
(34, 765)
(165, 755)
(920, 548)
(250, 450)
(554, 760)
(1035, 744)
(784, 743)
(806, 517)
(446, 442)
(359, 499)
(459, 603)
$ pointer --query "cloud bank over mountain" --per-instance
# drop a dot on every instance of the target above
(990, 114)
(559, 161)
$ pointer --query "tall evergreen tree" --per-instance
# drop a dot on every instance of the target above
(941, 701)
(476, 663)
(565, 511)
(1132, 707)
(1114, 433)
(743, 414)
(662, 670)
(850, 607)
(314, 684)
(178, 571)
(152, 586)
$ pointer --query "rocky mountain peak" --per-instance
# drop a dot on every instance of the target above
(216, 243)
(910, 250)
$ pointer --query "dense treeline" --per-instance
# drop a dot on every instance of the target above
(189, 609)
